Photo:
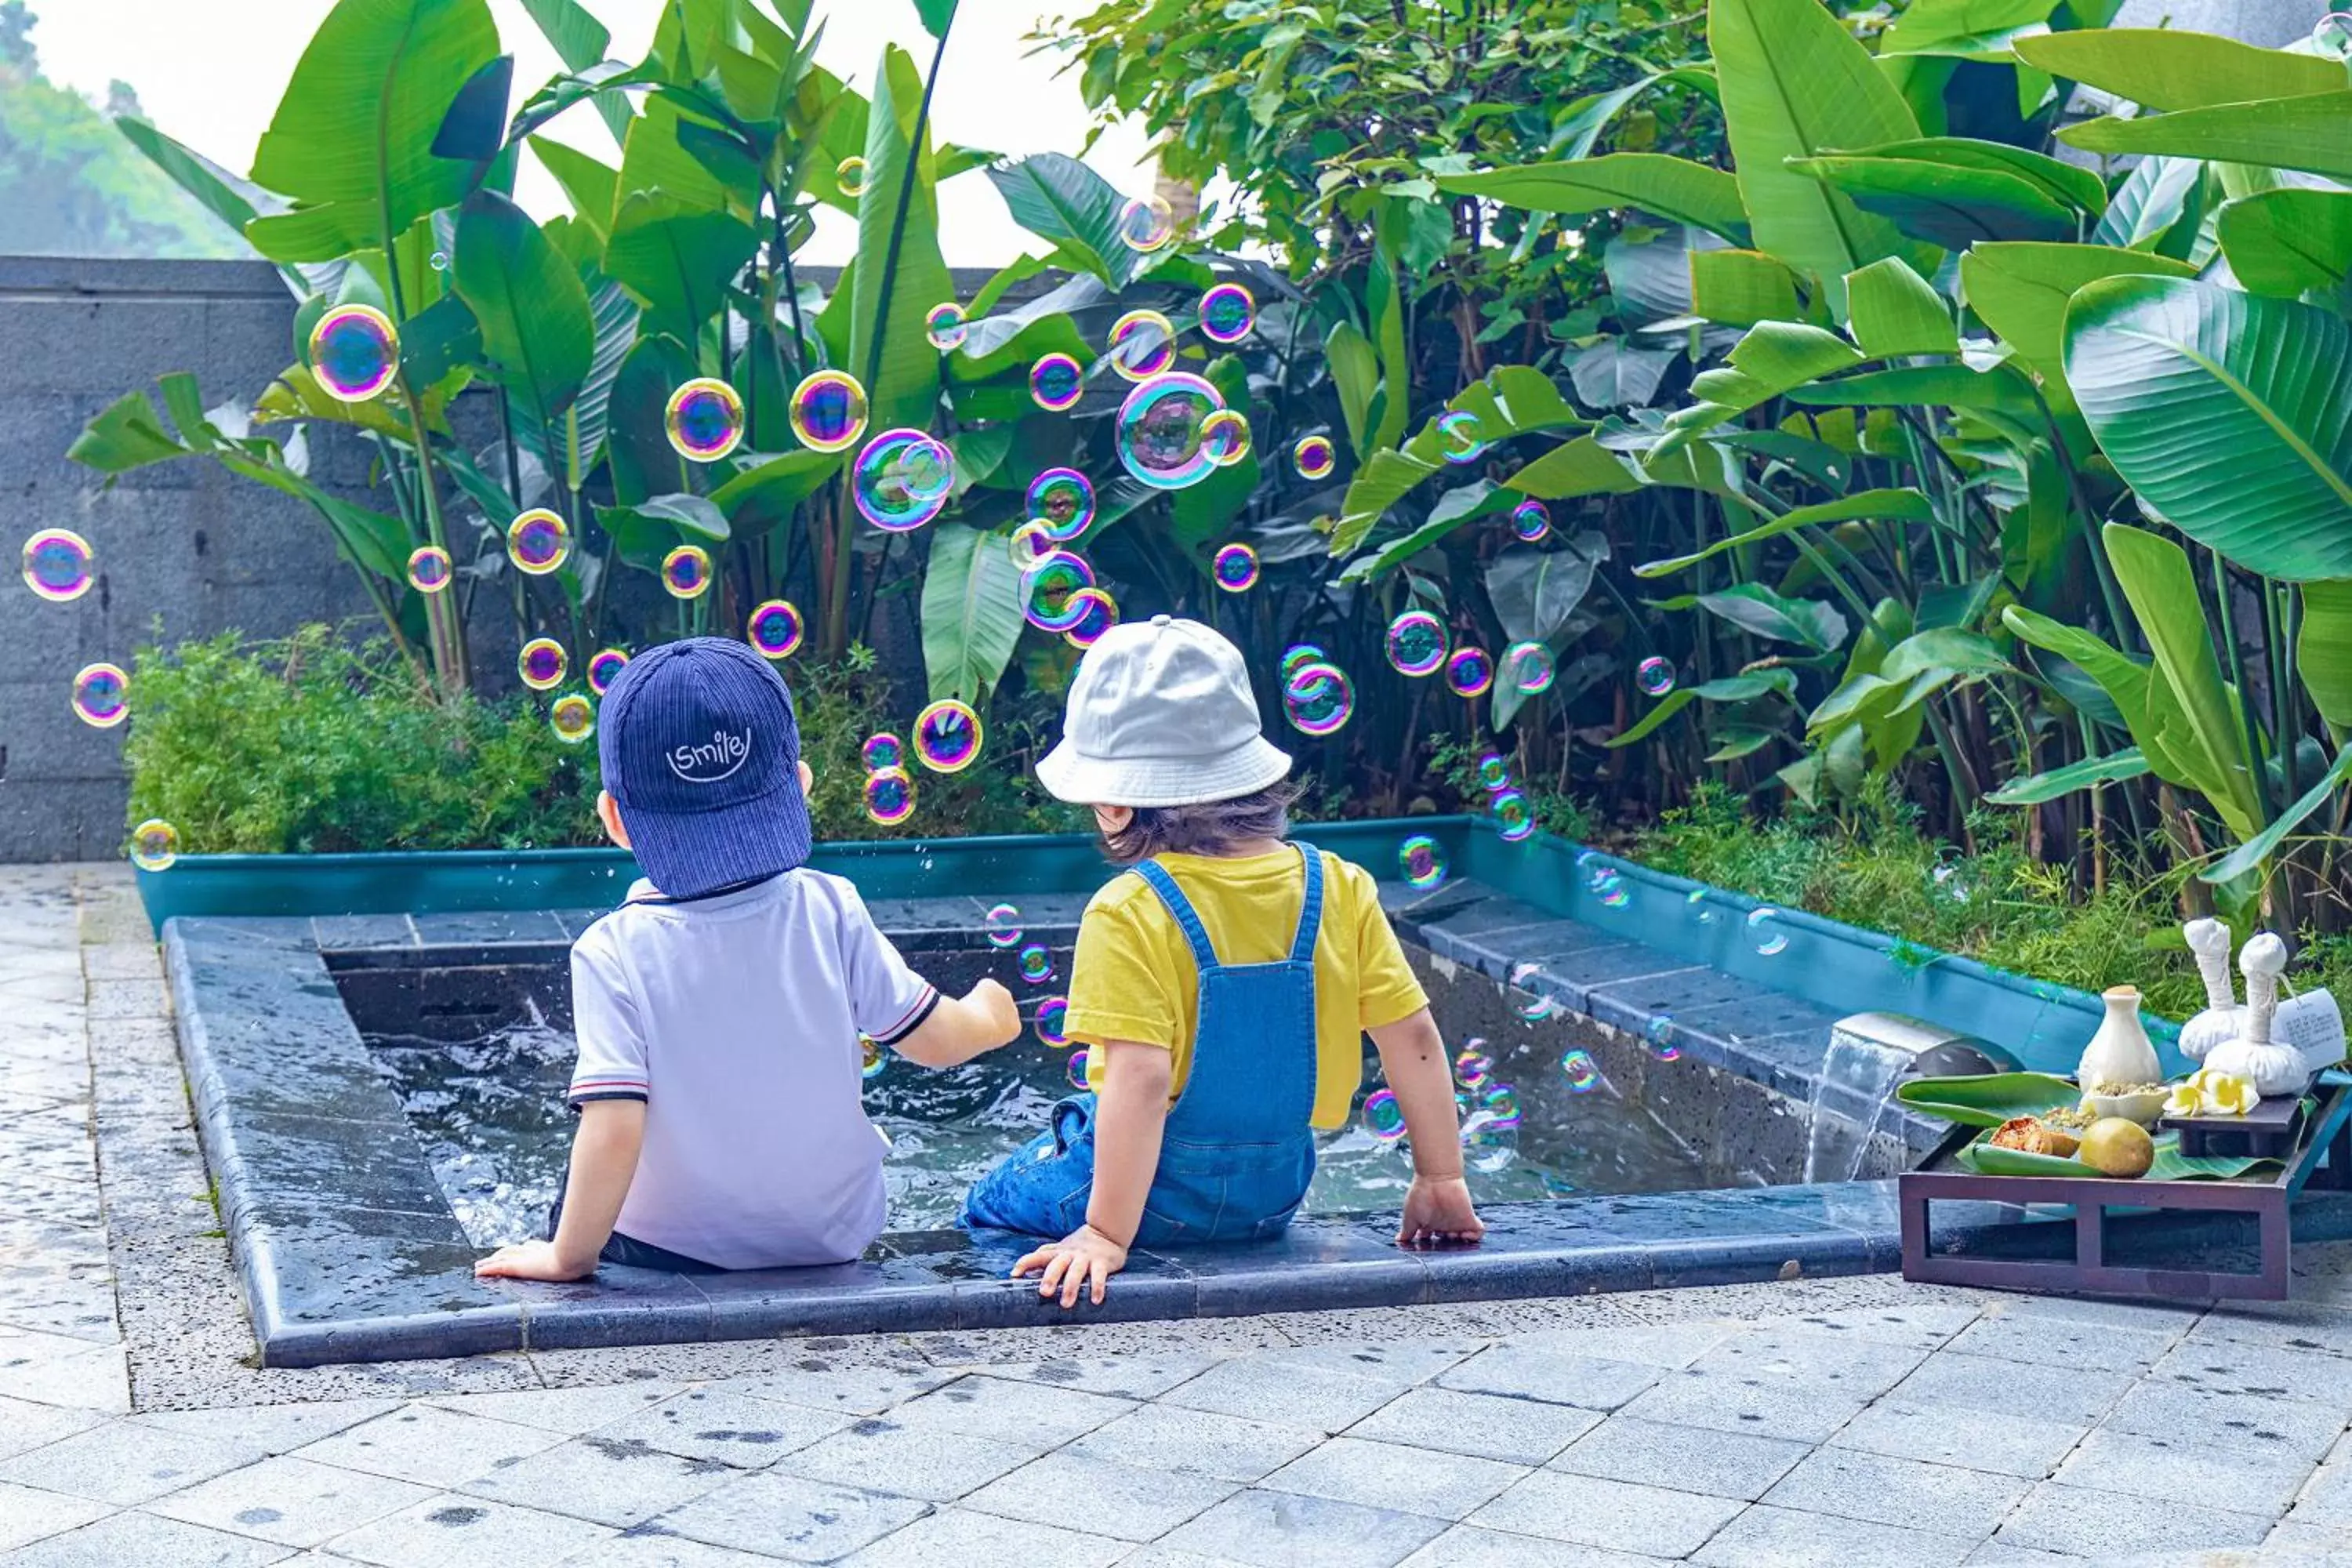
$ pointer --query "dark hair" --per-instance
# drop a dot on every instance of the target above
(1210, 827)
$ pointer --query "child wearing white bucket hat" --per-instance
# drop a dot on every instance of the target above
(1222, 989)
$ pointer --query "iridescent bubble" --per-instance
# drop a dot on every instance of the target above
(1416, 643)
(1298, 656)
(828, 411)
(438, 261)
(1696, 900)
(538, 541)
(1228, 312)
(57, 564)
(1501, 1105)
(1053, 1016)
(354, 353)
(1056, 382)
(541, 663)
(1383, 1117)
(1766, 932)
(1159, 430)
(704, 419)
(154, 845)
(1459, 437)
(572, 718)
(1609, 886)
(882, 750)
(429, 569)
(1528, 667)
(1048, 588)
(1235, 568)
(1659, 1034)
(2332, 35)
(947, 736)
(1494, 772)
(102, 695)
(1582, 1072)
(889, 796)
(849, 177)
(1470, 672)
(1225, 438)
(945, 325)
(1654, 676)
(1472, 1065)
(1423, 862)
(775, 628)
(1147, 223)
(1532, 1007)
(1319, 699)
(1036, 963)
(1314, 457)
(1063, 500)
(604, 667)
(871, 1057)
(1949, 881)
(1512, 815)
(1530, 520)
(1077, 1065)
(1096, 613)
(1001, 925)
(902, 480)
(1031, 543)
(1142, 344)
(686, 571)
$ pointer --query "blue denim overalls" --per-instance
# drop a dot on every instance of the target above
(1238, 1152)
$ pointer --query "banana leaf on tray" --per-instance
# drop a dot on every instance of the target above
(1988, 1099)
(2171, 1165)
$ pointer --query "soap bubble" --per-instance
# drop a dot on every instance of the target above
(1030, 543)
(1077, 1065)
(1654, 676)
(1147, 223)
(438, 261)
(889, 796)
(1494, 772)
(541, 663)
(686, 571)
(902, 480)
(102, 695)
(1096, 613)
(705, 418)
(1529, 668)
(1159, 430)
(1319, 699)
(572, 718)
(1533, 1009)
(154, 845)
(354, 353)
(1659, 1034)
(1235, 568)
(1228, 312)
(1225, 438)
(1501, 1105)
(882, 750)
(1766, 932)
(1052, 1023)
(1459, 437)
(947, 736)
(1472, 1065)
(1416, 643)
(1696, 900)
(1299, 655)
(1949, 880)
(1036, 963)
(1048, 587)
(604, 667)
(1142, 344)
(57, 564)
(1423, 862)
(1063, 500)
(849, 177)
(828, 411)
(1470, 672)
(538, 541)
(1512, 815)
(429, 569)
(1530, 520)
(775, 628)
(1607, 885)
(1056, 382)
(1001, 925)
(2332, 35)
(1383, 1117)
(871, 1057)
(1314, 457)
(945, 325)
(1582, 1072)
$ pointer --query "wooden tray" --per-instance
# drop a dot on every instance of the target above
(2271, 1130)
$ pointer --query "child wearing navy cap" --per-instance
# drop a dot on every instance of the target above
(719, 1010)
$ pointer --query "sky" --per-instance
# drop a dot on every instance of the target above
(209, 72)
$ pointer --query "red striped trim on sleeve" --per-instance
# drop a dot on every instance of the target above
(910, 1019)
(578, 1085)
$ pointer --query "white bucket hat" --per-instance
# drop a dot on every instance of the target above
(1161, 714)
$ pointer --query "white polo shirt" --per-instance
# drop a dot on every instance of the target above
(736, 1019)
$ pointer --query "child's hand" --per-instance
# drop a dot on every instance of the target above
(1083, 1255)
(531, 1260)
(1437, 1213)
(995, 1005)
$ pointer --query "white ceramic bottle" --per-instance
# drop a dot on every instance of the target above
(2273, 1069)
(2222, 1019)
(2121, 1052)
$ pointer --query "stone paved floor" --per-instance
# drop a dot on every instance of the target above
(1849, 1421)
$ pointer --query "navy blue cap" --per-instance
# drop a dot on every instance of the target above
(701, 753)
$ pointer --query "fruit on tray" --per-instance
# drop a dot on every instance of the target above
(2034, 1137)
(2209, 1092)
(2116, 1147)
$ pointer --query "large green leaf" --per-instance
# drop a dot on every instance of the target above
(1892, 310)
(1797, 84)
(1965, 29)
(1455, 510)
(1740, 288)
(1384, 311)
(1891, 505)
(1512, 401)
(1773, 359)
(1056, 197)
(1988, 1099)
(645, 534)
(759, 498)
(1201, 513)
(1670, 187)
(2250, 856)
(2229, 413)
(2313, 133)
(900, 274)
(2284, 242)
(123, 435)
(590, 186)
(2021, 292)
(972, 612)
(1534, 591)
(538, 334)
(2000, 390)
(1949, 205)
(2128, 763)
(580, 41)
(1745, 687)
(2125, 680)
(1612, 373)
(2323, 649)
(1756, 608)
(2161, 67)
(676, 260)
(643, 463)
(1580, 468)
(235, 201)
(2151, 208)
(2193, 714)
(2170, 1164)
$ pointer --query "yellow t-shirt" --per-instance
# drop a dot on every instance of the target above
(1134, 977)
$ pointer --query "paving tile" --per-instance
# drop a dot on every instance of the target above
(125, 1463)
(614, 1483)
(2329, 1543)
(1766, 1407)
(2327, 1495)
(1670, 1347)
(1682, 1459)
(1389, 1475)
(143, 1540)
(24, 1425)
(2186, 1464)
(27, 1513)
(959, 1535)
(1619, 1516)
(1993, 1555)
(636, 1551)
(2007, 1444)
(731, 1428)
(858, 1390)
(790, 1516)
(1296, 1395)
(1160, 1555)
(1284, 1529)
(1124, 1376)
(2274, 1372)
(1174, 1440)
(2065, 1343)
(2297, 1325)
(1035, 1414)
(430, 1446)
(1987, 1382)
(454, 1532)
(1486, 1425)
(2159, 1409)
(1920, 1325)
(567, 1410)
(1097, 1496)
(2059, 1518)
(292, 1502)
(1942, 1500)
(1833, 1357)
(1767, 1537)
(57, 1369)
(1523, 1373)
(1403, 1362)
(1470, 1546)
(272, 1428)
(881, 1454)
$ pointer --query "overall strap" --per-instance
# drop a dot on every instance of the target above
(1310, 912)
(1180, 909)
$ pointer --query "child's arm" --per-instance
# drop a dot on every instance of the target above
(1130, 1114)
(1437, 1211)
(604, 1160)
(962, 1027)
